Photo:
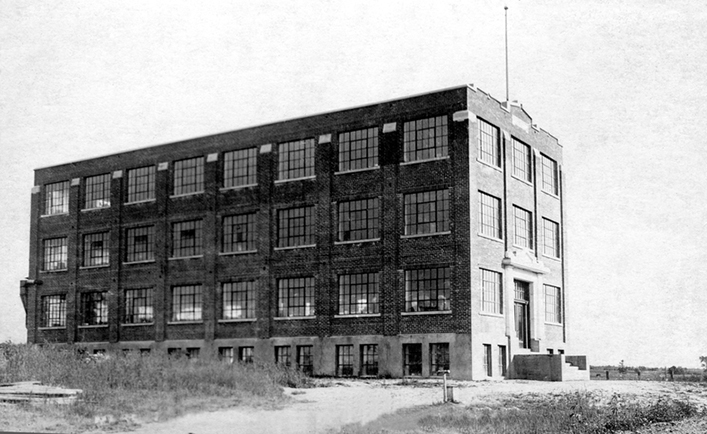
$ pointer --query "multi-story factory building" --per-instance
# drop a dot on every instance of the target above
(401, 238)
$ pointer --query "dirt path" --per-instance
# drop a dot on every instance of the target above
(324, 408)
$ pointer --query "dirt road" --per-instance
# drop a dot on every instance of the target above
(320, 409)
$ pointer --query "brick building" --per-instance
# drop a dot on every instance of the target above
(399, 238)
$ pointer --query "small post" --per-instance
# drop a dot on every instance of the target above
(607, 375)
(444, 373)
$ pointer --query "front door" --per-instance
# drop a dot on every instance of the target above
(522, 313)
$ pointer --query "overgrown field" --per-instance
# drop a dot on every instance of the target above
(125, 389)
(576, 413)
(647, 374)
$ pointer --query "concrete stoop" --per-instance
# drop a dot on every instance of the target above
(550, 367)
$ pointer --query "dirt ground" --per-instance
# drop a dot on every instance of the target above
(338, 403)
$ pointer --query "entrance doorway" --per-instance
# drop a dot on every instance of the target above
(522, 313)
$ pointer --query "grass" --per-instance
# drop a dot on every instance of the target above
(576, 413)
(647, 374)
(123, 390)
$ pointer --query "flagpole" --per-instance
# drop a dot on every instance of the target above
(506, 17)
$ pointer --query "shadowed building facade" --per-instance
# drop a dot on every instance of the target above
(396, 239)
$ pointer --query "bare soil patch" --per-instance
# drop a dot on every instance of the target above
(336, 403)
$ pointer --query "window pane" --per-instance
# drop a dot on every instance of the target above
(53, 311)
(344, 360)
(295, 227)
(239, 168)
(55, 254)
(239, 233)
(491, 292)
(550, 175)
(369, 360)
(189, 176)
(94, 309)
(358, 149)
(359, 294)
(96, 249)
(141, 184)
(296, 297)
(553, 304)
(427, 212)
(238, 300)
(551, 238)
(56, 198)
(359, 220)
(489, 215)
(97, 191)
(425, 139)
(489, 144)
(186, 303)
(427, 290)
(140, 244)
(522, 161)
(186, 239)
(138, 306)
(523, 224)
(295, 159)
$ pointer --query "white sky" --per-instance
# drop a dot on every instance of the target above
(622, 86)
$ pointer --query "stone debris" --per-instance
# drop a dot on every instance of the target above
(36, 392)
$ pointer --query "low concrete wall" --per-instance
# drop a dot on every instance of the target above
(541, 367)
(578, 361)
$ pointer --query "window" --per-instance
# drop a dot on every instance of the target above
(427, 290)
(96, 249)
(238, 300)
(186, 303)
(186, 239)
(553, 304)
(344, 360)
(358, 149)
(193, 353)
(225, 354)
(305, 360)
(491, 292)
(295, 297)
(425, 139)
(282, 355)
(412, 359)
(53, 311)
(522, 161)
(239, 168)
(138, 306)
(523, 224)
(94, 309)
(295, 227)
(239, 233)
(97, 191)
(489, 144)
(439, 358)
(189, 176)
(358, 294)
(245, 354)
(140, 244)
(55, 254)
(141, 184)
(427, 212)
(369, 360)
(550, 175)
(56, 198)
(488, 369)
(359, 220)
(551, 238)
(295, 159)
(490, 215)
(502, 364)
